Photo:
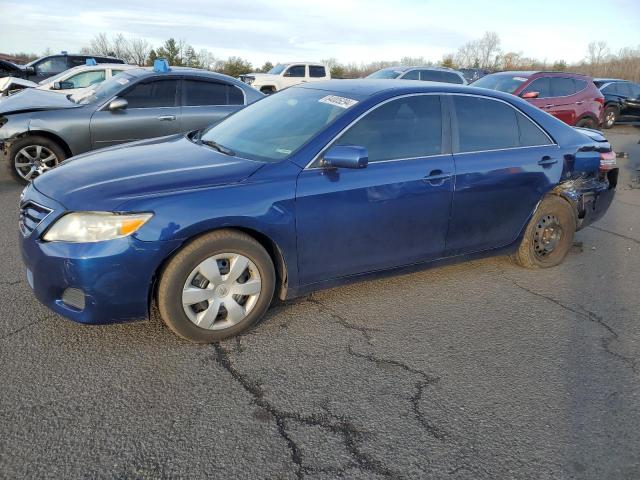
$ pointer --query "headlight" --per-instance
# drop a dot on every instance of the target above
(95, 226)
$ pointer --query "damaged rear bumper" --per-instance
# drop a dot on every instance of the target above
(590, 197)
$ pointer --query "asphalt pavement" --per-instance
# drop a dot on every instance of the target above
(481, 370)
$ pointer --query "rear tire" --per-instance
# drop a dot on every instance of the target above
(549, 235)
(221, 313)
(611, 114)
(586, 123)
(31, 156)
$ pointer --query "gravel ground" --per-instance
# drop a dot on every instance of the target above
(480, 370)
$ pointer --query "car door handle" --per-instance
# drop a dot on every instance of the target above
(437, 177)
(548, 106)
(580, 102)
(547, 161)
(167, 118)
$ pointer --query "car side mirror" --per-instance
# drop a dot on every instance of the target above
(345, 156)
(531, 95)
(118, 104)
(62, 85)
(30, 70)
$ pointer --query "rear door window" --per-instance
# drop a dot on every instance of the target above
(411, 75)
(158, 93)
(199, 92)
(431, 75)
(449, 77)
(530, 134)
(405, 128)
(579, 84)
(485, 124)
(317, 71)
(562, 87)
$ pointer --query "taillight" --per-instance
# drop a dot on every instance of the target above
(607, 161)
(600, 100)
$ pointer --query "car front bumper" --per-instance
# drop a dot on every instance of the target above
(96, 283)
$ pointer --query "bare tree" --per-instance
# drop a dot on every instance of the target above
(597, 52)
(100, 44)
(138, 51)
(489, 50)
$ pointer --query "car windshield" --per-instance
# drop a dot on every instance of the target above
(508, 83)
(103, 91)
(277, 126)
(385, 74)
(277, 70)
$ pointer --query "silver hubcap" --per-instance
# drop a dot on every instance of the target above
(221, 291)
(611, 117)
(34, 160)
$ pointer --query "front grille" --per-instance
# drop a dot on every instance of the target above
(31, 214)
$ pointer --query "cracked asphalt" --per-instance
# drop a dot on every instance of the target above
(480, 370)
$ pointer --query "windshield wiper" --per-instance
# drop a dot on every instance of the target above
(218, 147)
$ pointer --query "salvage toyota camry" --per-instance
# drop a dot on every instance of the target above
(316, 186)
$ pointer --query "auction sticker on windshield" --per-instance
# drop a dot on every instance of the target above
(337, 101)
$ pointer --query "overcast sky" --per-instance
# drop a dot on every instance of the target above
(349, 30)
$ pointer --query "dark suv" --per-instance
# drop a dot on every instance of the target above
(621, 100)
(571, 97)
(51, 65)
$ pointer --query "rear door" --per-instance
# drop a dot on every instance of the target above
(317, 73)
(153, 111)
(505, 163)
(393, 212)
(563, 99)
(205, 102)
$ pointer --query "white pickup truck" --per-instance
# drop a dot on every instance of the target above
(286, 75)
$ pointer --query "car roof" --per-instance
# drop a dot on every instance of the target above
(404, 68)
(362, 88)
(141, 72)
(610, 80)
(302, 63)
(528, 73)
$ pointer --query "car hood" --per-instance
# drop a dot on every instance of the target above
(7, 83)
(107, 178)
(33, 100)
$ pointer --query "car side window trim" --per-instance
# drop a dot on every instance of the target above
(454, 125)
(446, 132)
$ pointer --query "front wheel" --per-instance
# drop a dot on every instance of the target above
(32, 156)
(549, 235)
(217, 286)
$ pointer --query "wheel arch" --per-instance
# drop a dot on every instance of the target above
(51, 136)
(272, 248)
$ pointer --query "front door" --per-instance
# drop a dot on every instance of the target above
(504, 165)
(152, 111)
(393, 212)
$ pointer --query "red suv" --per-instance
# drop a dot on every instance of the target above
(571, 97)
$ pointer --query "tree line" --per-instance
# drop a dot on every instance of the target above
(485, 53)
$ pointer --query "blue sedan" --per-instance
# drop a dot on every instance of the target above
(317, 186)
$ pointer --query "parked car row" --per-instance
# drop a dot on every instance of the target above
(70, 81)
(40, 128)
(50, 65)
